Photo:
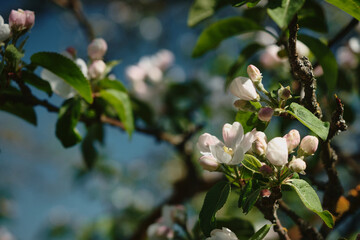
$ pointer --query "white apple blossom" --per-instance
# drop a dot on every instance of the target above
(222, 234)
(235, 145)
(243, 88)
(4, 30)
(277, 151)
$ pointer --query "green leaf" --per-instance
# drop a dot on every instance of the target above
(212, 36)
(213, 202)
(311, 200)
(95, 132)
(110, 65)
(312, 16)
(121, 103)
(36, 81)
(326, 59)
(261, 233)
(112, 84)
(203, 9)
(244, 193)
(240, 63)
(352, 7)
(309, 120)
(249, 121)
(282, 11)
(251, 200)
(251, 163)
(66, 69)
(242, 228)
(17, 108)
(69, 116)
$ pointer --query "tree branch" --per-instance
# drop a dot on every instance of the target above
(268, 206)
(302, 71)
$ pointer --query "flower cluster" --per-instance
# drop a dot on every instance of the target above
(150, 68)
(95, 69)
(20, 21)
(231, 152)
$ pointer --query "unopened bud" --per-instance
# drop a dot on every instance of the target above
(243, 88)
(266, 170)
(284, 92)
(209, 163)
(254, 73)
(97, 69)
(265, 193)
(277, 152)
(265, 114)
(308, 145)
(30, 19)
(297, 165)
(292, 139)
(259, 145)
(97, 49)
(17, 19)
(244, 105)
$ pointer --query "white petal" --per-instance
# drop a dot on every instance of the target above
(233, 134)
(248, 140)
(1, 20)
(238, 156)
(219, 153)
(205, 141)
(243, 88)
(58, 85)
(82, 65)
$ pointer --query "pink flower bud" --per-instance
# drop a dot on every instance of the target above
(265, 193)
(208, 162)
(266, 170)
(30, 19)
(297, 165)
(308, 145)
(284, 93)
(277, 152)
(97, 49)
(17, 19)
(97, 69)
(243, 88)
(259, 145)
(265, 114)
(254, 73)
(292, 139)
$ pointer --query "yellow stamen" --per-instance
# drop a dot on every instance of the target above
(228, 150)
